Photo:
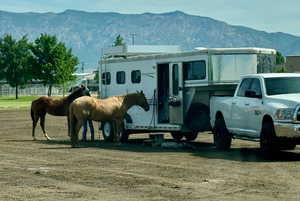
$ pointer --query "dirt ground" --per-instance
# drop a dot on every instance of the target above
(51, 170)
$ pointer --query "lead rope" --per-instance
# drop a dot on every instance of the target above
(153, 110)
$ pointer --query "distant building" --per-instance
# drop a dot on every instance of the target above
(86, 79)
(293, 64)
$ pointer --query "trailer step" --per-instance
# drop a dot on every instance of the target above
(246, 138)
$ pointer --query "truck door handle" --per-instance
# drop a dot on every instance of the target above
(247, 104)
(234, 103)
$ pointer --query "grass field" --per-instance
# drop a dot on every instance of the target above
(23, 102)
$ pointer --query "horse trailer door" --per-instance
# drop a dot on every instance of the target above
(176, 93)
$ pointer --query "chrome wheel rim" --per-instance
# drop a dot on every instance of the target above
(107, 129)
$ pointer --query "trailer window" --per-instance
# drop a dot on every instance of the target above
(121, 77)
(194, 70)
(136, 76)
(106, 78)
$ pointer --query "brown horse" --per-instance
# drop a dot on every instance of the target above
(56, 107)
(110, 109)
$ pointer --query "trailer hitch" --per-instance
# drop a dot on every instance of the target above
(174, 101)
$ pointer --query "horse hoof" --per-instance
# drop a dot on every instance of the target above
(48, 138)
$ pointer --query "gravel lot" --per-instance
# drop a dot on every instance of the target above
(51, 170)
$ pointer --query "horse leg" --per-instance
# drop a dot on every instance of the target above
(69, 127)
(118, 129)
(35, 119)
(42, 123)
(116, 126)
(74, 135)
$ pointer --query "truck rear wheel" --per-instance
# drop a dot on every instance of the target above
(268, 145)
(107, 131)
(191, 136)
(177, 135)
(222, 138)
(288, 146)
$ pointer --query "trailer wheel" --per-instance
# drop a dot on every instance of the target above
(191, 136)
(268, 145)
(107, 131)
(222, 138)
(177, 135)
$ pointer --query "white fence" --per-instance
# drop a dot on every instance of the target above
(40, 90)
(30, 90)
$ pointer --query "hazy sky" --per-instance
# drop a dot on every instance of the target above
(266, 15)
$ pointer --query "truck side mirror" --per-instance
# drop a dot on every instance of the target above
(252, 94)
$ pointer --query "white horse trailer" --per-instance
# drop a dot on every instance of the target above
(178, 85)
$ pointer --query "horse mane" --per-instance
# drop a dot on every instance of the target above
(74, 94)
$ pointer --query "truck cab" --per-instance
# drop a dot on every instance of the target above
(265, 107)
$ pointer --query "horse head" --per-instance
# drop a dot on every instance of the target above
(142, 101)
(78, 92)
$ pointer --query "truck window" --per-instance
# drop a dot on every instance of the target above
(282, 85)
(255, 86)
(136, 76)
(194, 70)
(245, 85)
(121, 77)
(106, 78)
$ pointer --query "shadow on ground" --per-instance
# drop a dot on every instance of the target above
(200, 149)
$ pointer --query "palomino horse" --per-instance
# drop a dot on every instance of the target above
(111, 109)
(56, 107)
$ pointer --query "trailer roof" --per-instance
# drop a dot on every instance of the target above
(198, 51)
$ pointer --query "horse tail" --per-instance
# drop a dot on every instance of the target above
(31, 114)
(31, 111)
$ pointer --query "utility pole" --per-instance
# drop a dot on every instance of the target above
(82, 67)
(132, 37)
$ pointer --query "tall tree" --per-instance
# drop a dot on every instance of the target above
(2, 59)
(119, 41)
(15, 57)
(54, 63)
(67, 67)
(279, 58)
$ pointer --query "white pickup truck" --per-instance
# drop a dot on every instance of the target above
(264, 108)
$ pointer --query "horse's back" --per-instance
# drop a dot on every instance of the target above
(41, 101)
(82, 104)
(45, 104)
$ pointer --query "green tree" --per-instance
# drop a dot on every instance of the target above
(54, 63)
(279, 58)
(2, 59)
(15, 57)
(119, 41)
(67, 67)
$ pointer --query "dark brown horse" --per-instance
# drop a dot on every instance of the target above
(110, 109)
(56, 107)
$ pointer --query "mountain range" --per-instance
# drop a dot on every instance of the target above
(88, 32)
